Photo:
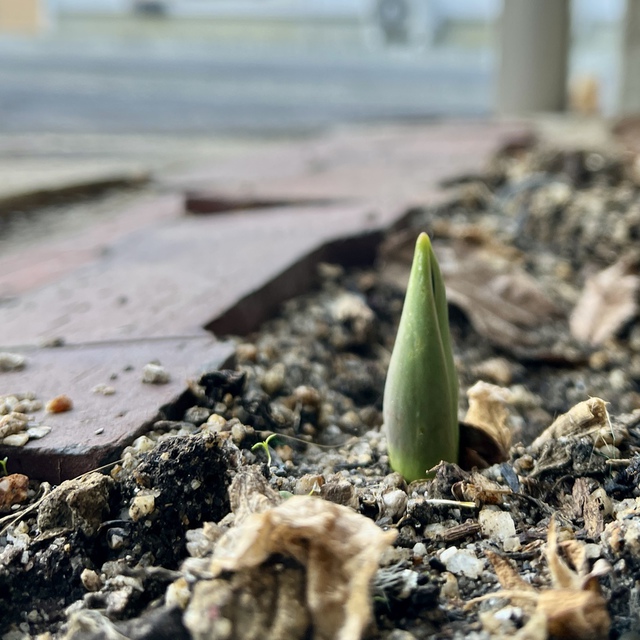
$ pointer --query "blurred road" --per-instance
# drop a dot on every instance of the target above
(51, 85)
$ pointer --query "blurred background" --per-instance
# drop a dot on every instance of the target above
(271, 66)
(93, 87)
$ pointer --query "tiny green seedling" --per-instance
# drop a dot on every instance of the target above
(3, 466)
(420, 405)
(265, 445)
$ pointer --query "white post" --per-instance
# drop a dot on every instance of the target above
(534, 49)
(630, 62)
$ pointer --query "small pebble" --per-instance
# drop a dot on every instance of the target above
(197, 415)
(143, 444)
(155, 374)
(246, 352)
(178, 594)
(511, 544)
(27, 406)
(99, 431)
(90, 580)
(103, 389)
(11, 361)
(273, 379)
(341, 492)
(395, 504)
(16, 439)
(116, 538)
(350, 421)
(35, 433)
(449, 589)
(306, 395)
(216, 422)
(497, 525)
(13, 490)
(238, 433)
(53, 343)
(329, 271)
(59, 404)
(462, 562)
(141, 506)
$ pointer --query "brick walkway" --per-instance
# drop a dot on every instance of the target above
(144, 284)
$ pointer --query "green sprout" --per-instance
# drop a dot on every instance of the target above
(3, 466)
(265, 445)
(420, 406)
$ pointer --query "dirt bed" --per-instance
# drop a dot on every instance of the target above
(209, 527)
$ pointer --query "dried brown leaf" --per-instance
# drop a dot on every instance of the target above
(507, 575)
(579, 494)
(339, 549)
(587, 418)
(504, 307)
(488, 411)
(562, 576)
(485, 437)
(593, 516)
(608, 301)
(479, 489)
(574, 609)
(575, 615)
(249, 492)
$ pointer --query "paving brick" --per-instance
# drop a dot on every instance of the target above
(380, 165)
(175, 277)
(98, 426)
(50, 261)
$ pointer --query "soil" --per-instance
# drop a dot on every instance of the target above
(123, 551)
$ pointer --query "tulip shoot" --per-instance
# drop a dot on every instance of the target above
(420, 406)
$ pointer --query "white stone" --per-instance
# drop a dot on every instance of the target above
(434, 530)
(35, 433)
(497, 525)
(511, 544)
(631, 536)
(178, 594)
(141, 506)
(16, 439)
(103, 389)
(143, 444)
(395, 503)
(462, 562)
(11, 361)
(90, 580)
(155, 374)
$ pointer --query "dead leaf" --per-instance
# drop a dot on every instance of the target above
(573, 609)
(249, 492)
(485, 436)
(608, 302)
(588, 418)
(338, 548)
(562, 577)
(575, 615)
(509, 578)
(593, 515)
(480, 489)
(503, 303)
